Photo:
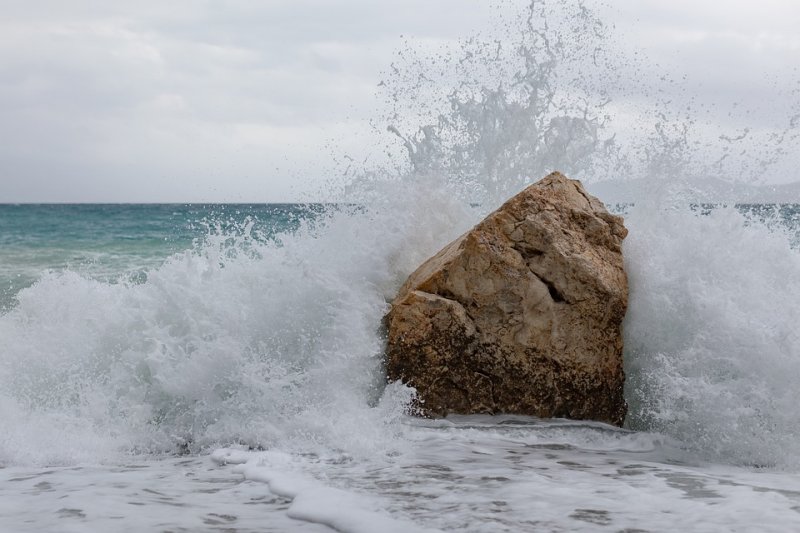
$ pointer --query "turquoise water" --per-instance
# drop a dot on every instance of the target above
(114, 242)
(122, 242)
(157, 345)
(107, 240)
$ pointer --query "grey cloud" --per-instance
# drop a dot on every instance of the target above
(189, 101)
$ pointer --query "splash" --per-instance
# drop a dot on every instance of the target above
(486, 115)
(711, 346)
(277, 342)
(235, 341)
(711, 352)
(556, 88)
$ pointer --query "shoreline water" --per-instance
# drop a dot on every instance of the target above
(102, 373)
(470, 474)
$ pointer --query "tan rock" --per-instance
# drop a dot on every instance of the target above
(522, 314)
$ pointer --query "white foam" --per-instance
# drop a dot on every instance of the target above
(711, 339)
(482, 473)
(237, 340)
(279, 344)
(312, 501)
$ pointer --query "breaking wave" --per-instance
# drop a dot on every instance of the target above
(277, 342)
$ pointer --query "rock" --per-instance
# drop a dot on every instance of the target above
(522, 314)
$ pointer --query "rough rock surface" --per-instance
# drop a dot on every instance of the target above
(522, 314)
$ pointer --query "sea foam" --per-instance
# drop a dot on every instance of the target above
(277, 342)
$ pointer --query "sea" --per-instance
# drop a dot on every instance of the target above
(218, 368)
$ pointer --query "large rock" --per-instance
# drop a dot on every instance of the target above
(522, 314)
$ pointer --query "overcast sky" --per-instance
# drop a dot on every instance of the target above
(249, 101)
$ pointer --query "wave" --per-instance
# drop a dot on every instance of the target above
(712, 350)
(277, 343)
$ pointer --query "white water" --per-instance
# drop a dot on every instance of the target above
(712, 346)
(279, 345)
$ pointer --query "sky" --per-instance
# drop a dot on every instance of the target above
(251, 101)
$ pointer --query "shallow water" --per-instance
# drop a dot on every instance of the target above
(149, 494)
(476, 474)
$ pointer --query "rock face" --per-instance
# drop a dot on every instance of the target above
(522, 314)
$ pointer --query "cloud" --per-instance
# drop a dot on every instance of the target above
(239, 100)
(105, 101)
